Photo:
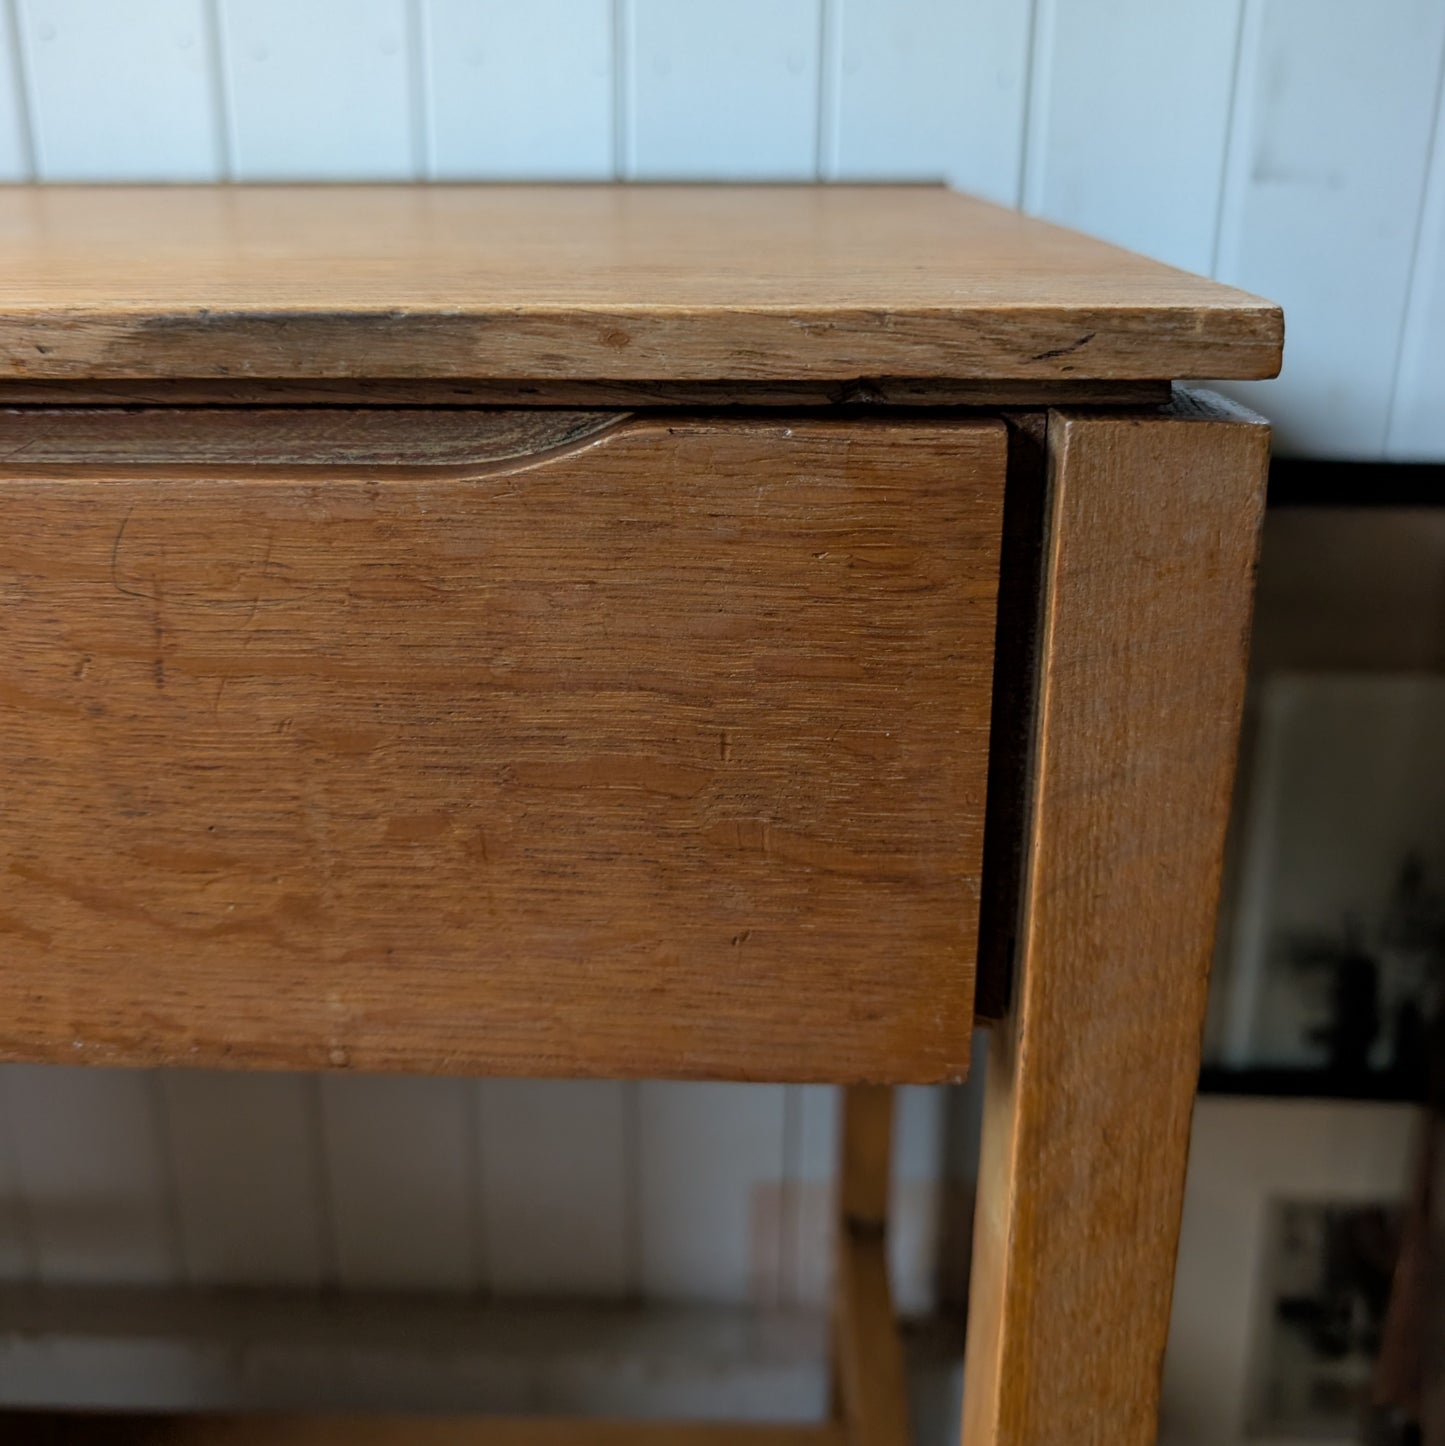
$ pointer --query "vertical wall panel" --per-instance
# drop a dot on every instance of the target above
(1417, 418)
(319, 90)
(556, 1197)
(712, 1167)
(89, 1153)
(400, 1169)
(14, 151)
(722, 92)
(1129, 120)
(244, 1160)
(926, 90)
(520, 92)
(1326, 169)
(120, 92)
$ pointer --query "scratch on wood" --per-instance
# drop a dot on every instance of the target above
(115, 560)
(1072, 347)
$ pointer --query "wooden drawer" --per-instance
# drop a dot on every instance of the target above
(546, 743)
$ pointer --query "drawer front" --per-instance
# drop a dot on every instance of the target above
(660, 751)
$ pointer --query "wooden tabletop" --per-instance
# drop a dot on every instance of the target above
(616, 283)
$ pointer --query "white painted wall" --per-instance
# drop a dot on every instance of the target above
(679, 1193)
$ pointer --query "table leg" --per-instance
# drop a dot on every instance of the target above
(870, 1394)
(1151, 533)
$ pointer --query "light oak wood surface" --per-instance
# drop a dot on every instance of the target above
(1152, 526)
(871, 1384)
(361, 728)
(661, 754)
(864, 1151)
(649, 284)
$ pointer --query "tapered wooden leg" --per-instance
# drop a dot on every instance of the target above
(1152, 524)
(869, 1384)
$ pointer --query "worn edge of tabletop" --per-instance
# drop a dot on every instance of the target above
(674, 284)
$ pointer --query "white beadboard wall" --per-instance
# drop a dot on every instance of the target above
(665, 1192)
(1295, 147)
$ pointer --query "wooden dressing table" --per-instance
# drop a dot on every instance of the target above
(678, 632)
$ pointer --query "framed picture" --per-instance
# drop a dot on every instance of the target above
(1332, 955)
(1292, 1216)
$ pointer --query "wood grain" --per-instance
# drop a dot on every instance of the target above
(183, 437)
(663, 755)
(591, 283)
(863, 1157)
(871, 1391)
(1153, 524)
(872, 1384)
(264, 1430)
